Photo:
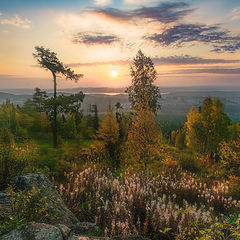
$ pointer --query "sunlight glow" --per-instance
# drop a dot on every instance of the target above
(114, 73)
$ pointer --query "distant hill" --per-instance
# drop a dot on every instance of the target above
(175, 102)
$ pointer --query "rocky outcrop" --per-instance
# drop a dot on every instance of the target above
(62, 214)
(65, 225)
(35, 231)
(133, 237)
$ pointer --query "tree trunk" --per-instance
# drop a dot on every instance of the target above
(55, 111)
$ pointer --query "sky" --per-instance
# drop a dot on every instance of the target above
(191, 42)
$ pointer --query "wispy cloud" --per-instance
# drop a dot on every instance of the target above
(235, 13)
(16, 21)
(138, 1)
(83, 64)
(178, 35)
(102, 2)
(220, 70)
(171, 60)
(94, 38)
(189, 60)
(164, 12)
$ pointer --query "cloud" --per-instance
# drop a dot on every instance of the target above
(178, 35)
(138, 1)
(15, 21)
(120, 62)
(227, 71)
(235, 14)
(171, 60)
(189, 60)
(102, 2)
(94, 38)
(164, 13)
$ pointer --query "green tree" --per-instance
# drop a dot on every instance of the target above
(180, 139)
(49, 61)
(38, 99)
(120, 118)
(219, 122)
(68, 127)
(8, 117)
(229, 154)
(234, 131)
(28, 108)
(72, 105)
(94, 119)
(173, 137)
(142, 88)
(85, 129)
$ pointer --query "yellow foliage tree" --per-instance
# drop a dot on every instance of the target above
(193, 130)
(109, 133)
(144, 136)
(206, 129)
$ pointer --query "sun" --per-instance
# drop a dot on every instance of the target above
(114, 73)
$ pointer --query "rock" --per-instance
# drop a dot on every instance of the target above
(41, 231)
(86, 229)
(74, 237)
(131, 237)
(34, 231)
(62, 215)
(13, 235)
(64, 230)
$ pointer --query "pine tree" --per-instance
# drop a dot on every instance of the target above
(49, 61)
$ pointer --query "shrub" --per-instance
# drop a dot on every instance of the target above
(187, 161)
(15, 159)
(226, 229)
(26, 206)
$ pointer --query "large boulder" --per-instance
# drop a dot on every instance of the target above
(42, 231)
(58, 209)
(34, 231)
(86, 229)
(14, 234)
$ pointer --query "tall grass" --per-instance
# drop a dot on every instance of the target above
(159, 207)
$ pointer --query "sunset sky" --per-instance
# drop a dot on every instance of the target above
(192, 42)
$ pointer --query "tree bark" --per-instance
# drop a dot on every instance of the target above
(55, 111)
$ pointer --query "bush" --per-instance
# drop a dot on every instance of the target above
(26, 206)
(15, 159)
(187, 161)
(226, 229)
